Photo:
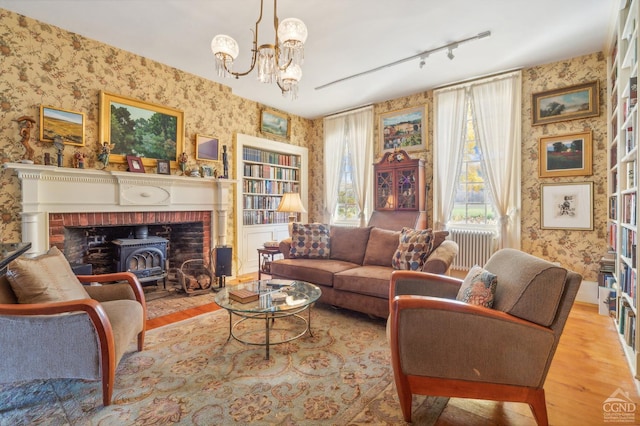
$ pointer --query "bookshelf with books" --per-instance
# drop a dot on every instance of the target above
(623, 176)
(265, 170)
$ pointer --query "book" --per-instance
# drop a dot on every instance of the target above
(243, 296)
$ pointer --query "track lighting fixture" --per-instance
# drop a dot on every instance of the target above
(450, 53)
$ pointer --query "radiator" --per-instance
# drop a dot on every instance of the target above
(475, 246)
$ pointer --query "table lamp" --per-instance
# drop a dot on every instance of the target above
(291, 202)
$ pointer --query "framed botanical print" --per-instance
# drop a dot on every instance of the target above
(567, 205)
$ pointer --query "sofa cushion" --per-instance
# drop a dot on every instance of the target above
(370, 280)
(316, 271)
(310, 241)
(381, 246)
(45, 278)
(530, 288)
(349, 243)
(478, 287)
(414, 248)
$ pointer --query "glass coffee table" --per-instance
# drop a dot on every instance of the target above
(268, 300)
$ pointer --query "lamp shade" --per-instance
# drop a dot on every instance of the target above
(222, 45)
(291, 202)
(292, 31)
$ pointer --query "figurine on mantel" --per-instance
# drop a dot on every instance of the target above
(26, 124)
(105, 151)
(59, 146)
(183, 162)
(225, 163)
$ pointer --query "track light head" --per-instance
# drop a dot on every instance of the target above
(450, 53)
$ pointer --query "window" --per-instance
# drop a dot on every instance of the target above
(473, 204)
(347, 210)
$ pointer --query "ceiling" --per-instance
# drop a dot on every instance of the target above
(345, 38)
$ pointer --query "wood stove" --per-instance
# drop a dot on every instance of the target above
(145, 257)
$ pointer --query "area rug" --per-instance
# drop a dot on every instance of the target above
(175, 302)
(190, 374)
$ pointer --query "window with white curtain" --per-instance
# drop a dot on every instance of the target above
(348, 169)
(477, 145)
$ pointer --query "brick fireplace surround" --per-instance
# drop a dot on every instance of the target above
(54, 199)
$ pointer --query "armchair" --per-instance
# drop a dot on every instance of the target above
(81, 338)
(444, 347)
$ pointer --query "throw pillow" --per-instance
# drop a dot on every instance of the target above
(310, 241)
(414, 248)
(478, 287)
(381, 247)
(45, 278)
(349, 243)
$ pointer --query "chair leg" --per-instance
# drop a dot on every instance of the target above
(405, 397)
(538, 405)
(141, 341)
(108, 379)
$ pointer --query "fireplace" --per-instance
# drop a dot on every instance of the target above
(58, 202)
(145, 257)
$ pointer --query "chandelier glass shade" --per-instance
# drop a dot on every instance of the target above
(278, 63)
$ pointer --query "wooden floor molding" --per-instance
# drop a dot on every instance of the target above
(589, 366)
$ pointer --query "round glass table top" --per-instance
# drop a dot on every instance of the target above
(273, 295)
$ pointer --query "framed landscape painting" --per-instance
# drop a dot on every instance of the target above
(567, 103)
(567, 205)
(69, 125)
(404, 129)
(206, 148)
(565, 155)
(149, 131)
(274, 123)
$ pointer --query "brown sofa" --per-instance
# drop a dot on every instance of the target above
(357, 272)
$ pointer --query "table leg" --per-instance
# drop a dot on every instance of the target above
(267, 329)
(309, 323)
(230, 325)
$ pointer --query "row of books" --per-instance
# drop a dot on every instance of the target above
(628, 246)
(261, 202)
(627, 324)
(269, 187)
(612, 235)
(628, 282)
(629, 208)
(270, 172)
(263, 217)
(259, 155)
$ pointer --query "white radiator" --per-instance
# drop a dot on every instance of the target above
(475, 246)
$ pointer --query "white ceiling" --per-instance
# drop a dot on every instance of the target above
(346, 37)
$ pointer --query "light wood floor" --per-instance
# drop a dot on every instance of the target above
(589, 366)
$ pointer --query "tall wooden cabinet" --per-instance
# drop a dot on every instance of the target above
(623, 161)
(399, 192)
(265, 170)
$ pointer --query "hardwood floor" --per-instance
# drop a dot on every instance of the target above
(589, 366)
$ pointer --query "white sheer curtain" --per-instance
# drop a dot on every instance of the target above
(334, 131)
(448, 136)
(360, 141)
(497, 105)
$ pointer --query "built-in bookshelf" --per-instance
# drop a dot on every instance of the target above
(265, 170)
(623, 177)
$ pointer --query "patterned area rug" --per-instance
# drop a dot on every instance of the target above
(175, 301)
(190, 374)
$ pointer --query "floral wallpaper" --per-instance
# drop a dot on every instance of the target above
(43, 64)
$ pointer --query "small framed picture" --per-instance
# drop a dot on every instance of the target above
(404, 129)
(207, 171)
(565, 155)
(207, 148)
(567, 205)
(274, 123)
(135, 164)
(567, 103)
(69, 125)
(164, 167)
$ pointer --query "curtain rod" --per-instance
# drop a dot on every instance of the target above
(347, 111)
(473, 79)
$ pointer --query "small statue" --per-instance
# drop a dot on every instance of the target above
(78, 160)
(183, 162)
(26, 124)
(225, 163)
(104, 153)
(59, 145)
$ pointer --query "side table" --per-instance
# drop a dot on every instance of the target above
(265, 257)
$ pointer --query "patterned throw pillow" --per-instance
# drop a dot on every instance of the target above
(310, 241)
(414, 248)
(478, 287)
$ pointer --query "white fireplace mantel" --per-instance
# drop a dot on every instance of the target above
(51, 189)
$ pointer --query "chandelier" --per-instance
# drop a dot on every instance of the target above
(277, 63)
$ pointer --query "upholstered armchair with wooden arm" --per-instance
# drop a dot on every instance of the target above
(83, 336)
(441, 346)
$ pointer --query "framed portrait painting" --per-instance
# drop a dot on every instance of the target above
(207, 148)
(567, 103)
(404, 129)
(153, 132)
(274, 123)
(567, 205)
(69, 125)
(565, 155)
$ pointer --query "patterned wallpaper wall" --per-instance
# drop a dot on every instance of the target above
(46, 65)
(43, 64)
